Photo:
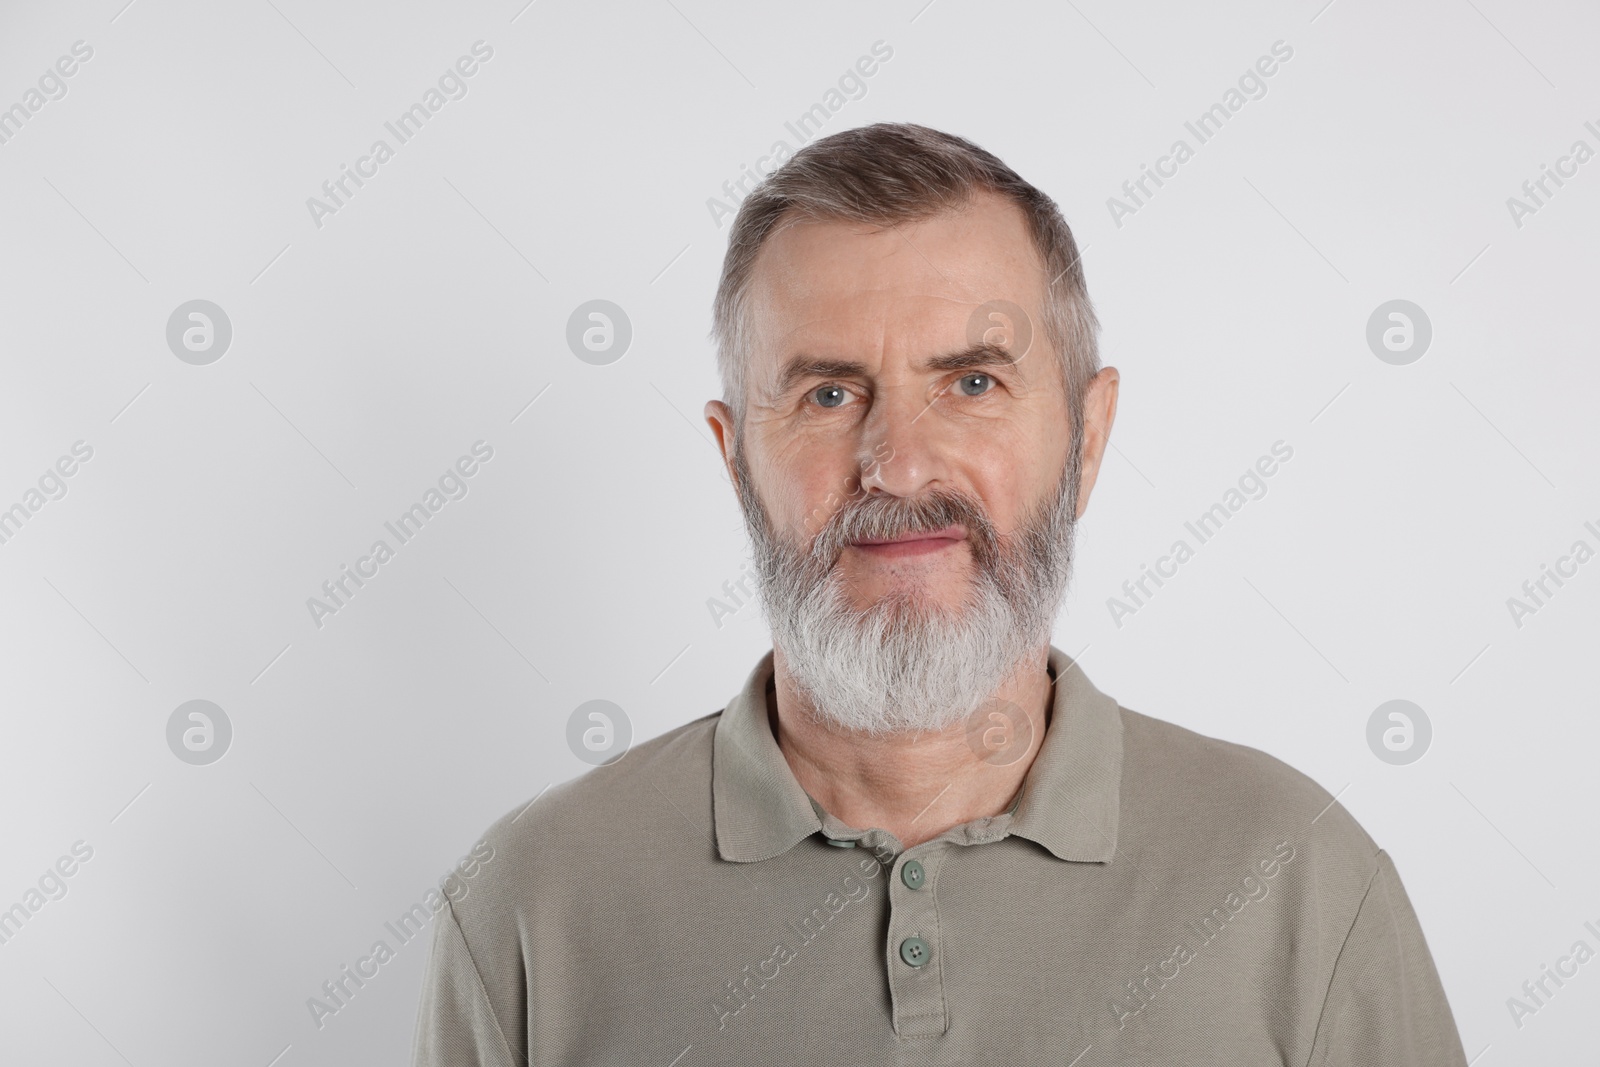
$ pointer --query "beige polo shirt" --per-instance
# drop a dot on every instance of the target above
(1153, 897)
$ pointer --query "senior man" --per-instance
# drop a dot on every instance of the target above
(918, 833)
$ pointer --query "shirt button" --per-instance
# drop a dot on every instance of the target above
(912, 874)
(841, 842)
(915, 951)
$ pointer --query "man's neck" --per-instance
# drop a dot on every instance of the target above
(916, 786)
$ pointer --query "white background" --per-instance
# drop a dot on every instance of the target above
(372, 351)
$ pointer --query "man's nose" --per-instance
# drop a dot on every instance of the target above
(902, 449)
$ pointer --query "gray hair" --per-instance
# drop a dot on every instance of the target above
(890, 173)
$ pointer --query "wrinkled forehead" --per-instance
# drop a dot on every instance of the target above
(838, 288)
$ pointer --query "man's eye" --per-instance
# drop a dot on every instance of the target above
(830, 396)
(975, 384)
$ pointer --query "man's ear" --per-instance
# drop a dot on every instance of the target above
(1099, 412)
(720, 418)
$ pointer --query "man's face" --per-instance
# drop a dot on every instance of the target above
(905, 467)
(847, 398)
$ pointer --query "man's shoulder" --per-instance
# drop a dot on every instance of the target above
(1179, 783)
(658, 789)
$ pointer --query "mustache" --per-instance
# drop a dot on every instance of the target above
(890, 516)
(1038, 548)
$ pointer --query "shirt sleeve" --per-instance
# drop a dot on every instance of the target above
(1385, 1004)
(456, 1026)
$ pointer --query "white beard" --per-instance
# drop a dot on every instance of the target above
(908, 664)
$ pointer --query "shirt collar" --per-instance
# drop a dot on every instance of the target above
(1069, 802)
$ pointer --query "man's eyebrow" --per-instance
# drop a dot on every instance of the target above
(982, 354)
(801, 368)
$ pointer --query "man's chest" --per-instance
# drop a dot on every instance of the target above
(961, 955)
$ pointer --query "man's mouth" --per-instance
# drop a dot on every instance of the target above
(916, 543)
